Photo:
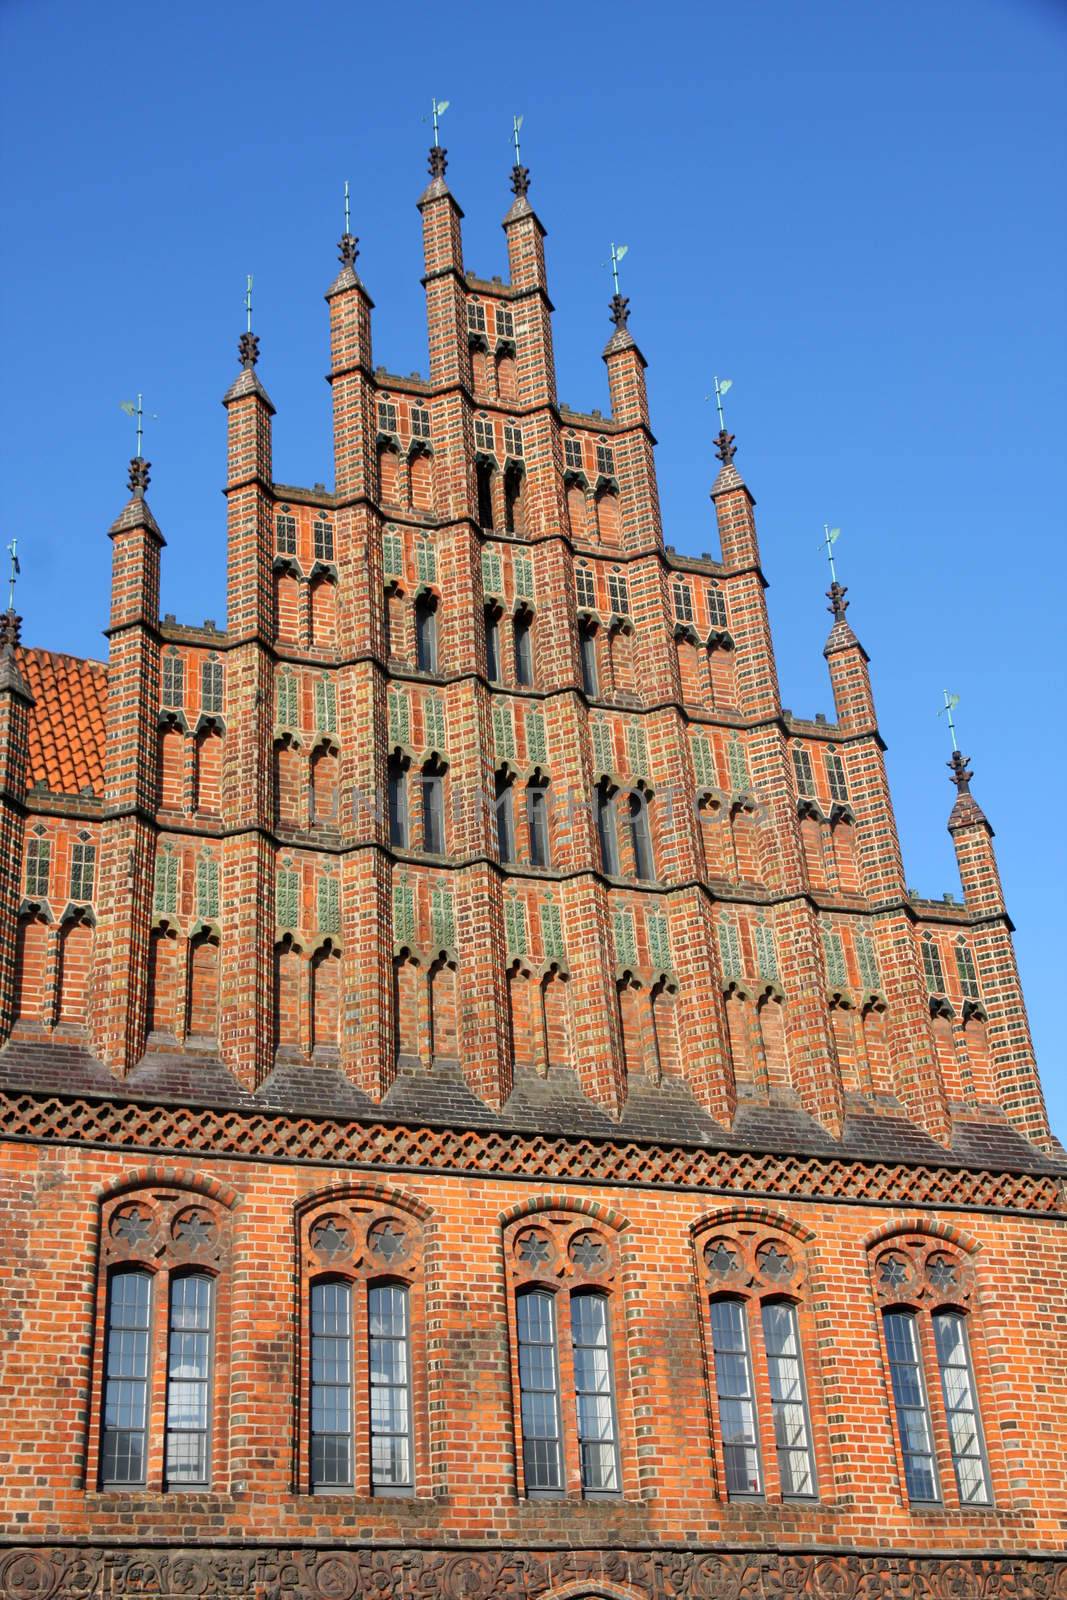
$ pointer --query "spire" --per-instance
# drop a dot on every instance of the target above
(725, 449)
(438, 155)
(520, 175)
(966, 811)
(246, 381)
(619, 307)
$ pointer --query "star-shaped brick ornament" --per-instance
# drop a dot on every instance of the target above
(588, 1252)
(195, 1230)
(329, 1240)
(534, 1249)
(941, 1272)
(775, 1264)
(388, 1241)
(893, 1271)
(721, 1259)
(131, 1227)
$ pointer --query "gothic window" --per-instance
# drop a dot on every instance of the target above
(932, 968)
(565, 1345)
(211, 684)
(537, 824)
(492, 644)
(285, 534)
(834, 958)
(522, 634)
(475, 316)
(572, 453)
(803, 772)
(587, 658)
(426, 633)
(716, 606)
(513, 440)
(584, 588)
(505, 323)
(966, 971)
(867, 960)
(835, 772)
(361, 1271)
(504, 805)
(82, 869)
(322, 535)
(420, 422)
(683, 601)
(605, 460)
(386, 416)
(640, 835)
(207, 887)
(483, 434)
(325, 705)
(926, 1290)
(398, 803)
(38, 867)
(432, 786)
(287, 701)
(756, 1288)
(173, 680)
(165, 895)
(392, 555)
(607, 833)
(618, 592)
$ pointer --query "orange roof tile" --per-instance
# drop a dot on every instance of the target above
(67, 722)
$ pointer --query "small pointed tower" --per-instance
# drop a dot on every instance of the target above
(118, 1008)
(246, 955)
(15, 705)
(1018, 1087)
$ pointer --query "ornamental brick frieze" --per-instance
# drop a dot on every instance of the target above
(41, 1573)
(247, 1134)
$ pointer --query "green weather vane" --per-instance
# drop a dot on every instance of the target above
(348, 214)
(722, 387)
(831, 537)
(617, 253)
(439, 109)
(516, 124)
(12, 551)
(951, 702)
(137, 410)
(248, 303)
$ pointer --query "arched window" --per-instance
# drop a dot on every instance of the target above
(754, 1282)
(640, 835)
(925, 1289)
(505, 817)
(492, 643)
(432, 787)
(607, 833)
(522, 632)
(398, 802)
(426, 633)
(537, 823)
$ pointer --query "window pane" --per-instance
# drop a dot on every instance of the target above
(961, 1407)
(124, 1442)
(588, 648)
(737, 1410)
(331, 1385)
(188, 1381)
(789, 1411)
(390, 1387)
(593, 1391)
(909, 1398)
(535, 1316)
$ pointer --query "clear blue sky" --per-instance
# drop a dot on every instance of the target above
(855, 210)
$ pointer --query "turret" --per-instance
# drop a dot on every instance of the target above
(249, 483)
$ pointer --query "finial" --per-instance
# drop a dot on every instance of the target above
(348, 249)
(960, 768)
(438, 161)
(10, 632)
(619, 309)
(248, 350)
(137, 411)
(138, 479)
(951, 702)
(12, 551)
(725, 448)
(838, 604)
(520, 175)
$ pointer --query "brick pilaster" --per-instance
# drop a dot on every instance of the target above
(15, 703)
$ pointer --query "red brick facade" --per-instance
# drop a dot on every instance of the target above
(461, 957)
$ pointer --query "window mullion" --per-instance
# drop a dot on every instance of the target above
(361, 1450)
(570, 1451)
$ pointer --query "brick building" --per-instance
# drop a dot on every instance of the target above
(484, 1117)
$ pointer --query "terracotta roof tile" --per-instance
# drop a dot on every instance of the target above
(67, 722)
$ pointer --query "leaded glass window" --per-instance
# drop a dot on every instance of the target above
(426, 561)
(835, 773)
(287, 701)
(572, 453)
(736, 1398)
(211, 686)
(682, 595)
(659, 942)
(392, 555)
(82, 870)
(443, 918)
(403, 913)
(961, 1408)
(605, 460)
(625, 938)
(584, 587)
(492, 644)
(188, 1438)
(124, 1452)
(538, 1349)
(618, 593)
(331, 1385)
(38, 867)
(515, 934)
(433, 712)
(513, 445)
(594, 1394)
(729, 948)
(552, 932)
(492, 572)
(386, 416)
(325, 705)
(867, 959)
(207, 887)
(165, 895)
(523, 569)
(536, 742)
(789, 1408)
(322, 539)
(834, 957)
(484, 438)
(390, 1387)
(287, 897)
(505, 323)
(766, 952)
(328, 897)
(932, 968)
(716, 606)
(603, 747)
(504, 732)
(966, 971)
(910, 1403)
(399, 717)
(475, 316)
(802, 769)
(285, 534)
(420, 422)
(537, 824)
(703, 762)
(737, 762)
(173, 680)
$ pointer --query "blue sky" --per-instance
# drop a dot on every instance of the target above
(852, 209)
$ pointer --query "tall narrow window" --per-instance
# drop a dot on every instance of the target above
(961, 1408)
(211, 685)
(505, 818)
(537, 823)
(187, 1462)
(683, 601)
(736, 1400)
(390, 1388)
(322, 534)
(82, 870)
(803, 772)
(173, 680)
(912, 1407)
(522, 628)
(606, 831)
(640, 835)
(331, 1386)
(38, 865)
(398, 805)
(594, 1394)
(789, 1409)
(587, 648)
(484, 475)
(492, 644)
(125, 1432)
(425, 634)
(584, 588)
(285, 534)
(932, 968)
(539, 1387)
(432, 784)
(513, 501)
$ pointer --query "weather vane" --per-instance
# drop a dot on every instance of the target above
(348, 215)
(831, 537)
(617, 253)
(722, 387)
(951, 702)
(516, 124)
(248, 302)
(439, 109)
(137, 410)
(12, 551)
